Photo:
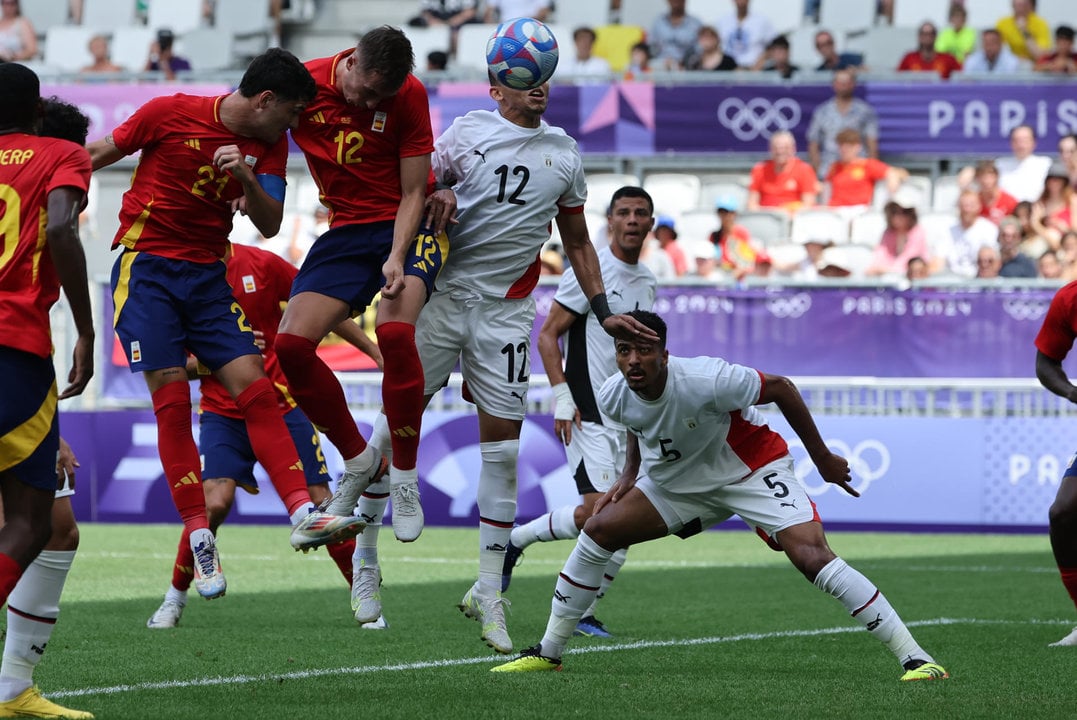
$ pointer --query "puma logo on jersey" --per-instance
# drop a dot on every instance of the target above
(517, 395)
(480, 153)
(617, 293)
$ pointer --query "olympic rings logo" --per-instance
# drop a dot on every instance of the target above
(869, 460)
(758, 116)
(1025, 309)
(792, 306)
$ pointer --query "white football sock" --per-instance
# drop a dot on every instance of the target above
(381, 438)
(870, 607)
(177, 596)
(301, 512)
(33, 607)
(577, 586)
(559, 524)
(497, 509)
(361, 463)
(617, 561)
(371, 508)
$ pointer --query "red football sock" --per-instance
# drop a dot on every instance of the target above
(11, 571)
(318, 392)
(183, 570)
(342, 552)
(179, 454)
(272, 443)
(402, 390)
(1069, 580)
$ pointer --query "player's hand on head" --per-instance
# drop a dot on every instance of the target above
(393, 272)
(66, 462)
(628, 328)
(440, 211)
(81, 368)
(835, 470)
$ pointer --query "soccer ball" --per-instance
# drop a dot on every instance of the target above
(522, 53)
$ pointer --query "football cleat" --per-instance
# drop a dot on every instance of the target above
(366, 593)
(512, 559)
(922, 670)
(31, 704)
(321, 528)
(380, 624)
(1067, 641)
(591, 626)
(209, 579)
(490, 612)
(351, 486)
(530, 660)
(407, 510)
(167, 616)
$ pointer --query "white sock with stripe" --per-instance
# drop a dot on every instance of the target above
(559, 524)
(577, 585)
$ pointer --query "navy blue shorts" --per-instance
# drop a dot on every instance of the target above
(227, 453)
(29, 424)
(166, 307)
(345, 263)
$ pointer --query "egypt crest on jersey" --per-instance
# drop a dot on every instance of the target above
(511, 183)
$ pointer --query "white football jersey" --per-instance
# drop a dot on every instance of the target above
(510, 183)
(704, 431)
(589, 356)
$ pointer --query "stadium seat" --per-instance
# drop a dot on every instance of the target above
(207, 48)
(601, 186)
(426, 40)
(471, 46)
(937, 226)
(944, 193)
(639, 12)
(843, 18)
(883, 46)
(673, 193)
(854, 258)
(786, 255)
(107, 13)
(247, 22)
(179, 16)
(987, 13)
(819, 223)
(911, 13)
(767, 226)
(718, 185)
(44, 14)
(802, 46)
(784, 16)
(578, 14)
(131, 46)
(867, 228)
(66, 47)
(915, 191)
(696, 226)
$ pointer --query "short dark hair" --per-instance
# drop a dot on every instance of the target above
(61, 119)
(387, 51)
(20, 93)
(1064, 32)
(584, 30)
(779, 42)
(437, 59)
(631, 191)
(280, 72)
(652, 321)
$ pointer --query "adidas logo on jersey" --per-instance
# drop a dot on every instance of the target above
(318, 117)
(193, 143)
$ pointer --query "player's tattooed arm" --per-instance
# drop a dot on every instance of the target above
(104, 152)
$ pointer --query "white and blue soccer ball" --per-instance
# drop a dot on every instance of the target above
(522, 53)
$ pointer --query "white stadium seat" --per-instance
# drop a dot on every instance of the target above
(179, 16)
(207, 48)
(426, 40)
(44, 14)
(819, 223)
(944, 193)
(867, 228)
(471, 46)
(131, 46)
(107, 13)
(601, 186)
(767, 226)
(987, 13)
(673, 193)
(66, 47)
(911, 13)
(843, 17)
(696, 226)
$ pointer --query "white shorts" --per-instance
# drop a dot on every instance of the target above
(596, 455)
(769, 500)
(492, 340)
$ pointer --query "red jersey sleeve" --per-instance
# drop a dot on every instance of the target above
(144, 126)
(1058, 331)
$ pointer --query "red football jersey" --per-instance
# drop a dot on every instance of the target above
(1059, 329)
(30, 168)
(178, 205)
(854, 183)
(261, 282)
(354, 152)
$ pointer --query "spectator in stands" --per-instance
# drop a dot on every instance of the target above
(163, 59)
(639, 61)
(18, 38)
(665, 231)
(1055, 210)
(957, 38)
(1048, 266)
(995, 202)
(917, 269)
(745, 34)
(1067, 153)
(437, 61)
(1067, 254)
(551, 262)
(956, 252)
(993, 58)
(902, 240)
(884, 11)
(842, 111)
(656, 260)
(832, 59)
(498, 11)
(925, 58)
(673, 37)
(784, 181)
(1015, 264)
(852, 178)
(1032, 243)
(1022, 174)
(585, 63)
(1061, 61)
(988, 263)
(1027, 34)
(454, 13)
(102, 63)
(735, 251)
(776, 58)
(708, 54)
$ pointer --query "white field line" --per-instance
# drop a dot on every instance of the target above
(458, 662)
